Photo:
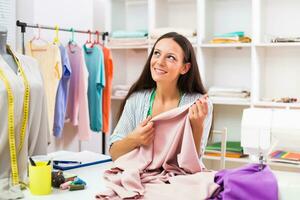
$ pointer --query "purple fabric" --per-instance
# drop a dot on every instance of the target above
(62, 94)
(245, 183)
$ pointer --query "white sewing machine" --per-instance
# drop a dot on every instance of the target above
(265, 130)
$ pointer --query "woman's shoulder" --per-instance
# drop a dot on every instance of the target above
(191, 97)
(138, 102)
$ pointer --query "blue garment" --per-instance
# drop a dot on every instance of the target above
(95, 64)
(62, 93)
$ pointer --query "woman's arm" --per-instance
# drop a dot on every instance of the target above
(197, 114)
(143, 135)
(122, 147)
(197, 134)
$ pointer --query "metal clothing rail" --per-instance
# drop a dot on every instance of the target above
(23, 26)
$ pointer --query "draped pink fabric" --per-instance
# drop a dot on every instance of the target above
(167, 169)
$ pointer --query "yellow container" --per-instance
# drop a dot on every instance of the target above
(40, 178)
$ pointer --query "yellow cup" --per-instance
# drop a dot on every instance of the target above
(40, 178)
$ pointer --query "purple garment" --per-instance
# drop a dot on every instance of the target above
(62, 94)
(246, 183)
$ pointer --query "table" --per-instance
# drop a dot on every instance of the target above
(288, 182)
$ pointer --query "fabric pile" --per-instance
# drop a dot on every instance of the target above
(232, 37)
(228, 92)
(121, 90)
(128, 38)
(170, 169)
(167, 169)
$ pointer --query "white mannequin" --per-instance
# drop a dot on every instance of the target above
(3, 52)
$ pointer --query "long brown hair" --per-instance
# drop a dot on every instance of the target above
(189, 82)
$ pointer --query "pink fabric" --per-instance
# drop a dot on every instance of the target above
(143, 172)
(77, 106)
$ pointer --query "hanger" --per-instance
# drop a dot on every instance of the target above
(97, 41)
(38, 39)
(72, 41)
(56, 38)
(89, 41)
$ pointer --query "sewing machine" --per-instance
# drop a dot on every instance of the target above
(264, 130)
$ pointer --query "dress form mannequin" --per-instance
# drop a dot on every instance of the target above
(3, 52)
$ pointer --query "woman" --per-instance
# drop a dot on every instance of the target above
(169, 79)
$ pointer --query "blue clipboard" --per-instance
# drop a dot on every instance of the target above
(66, 160)
(64, 167)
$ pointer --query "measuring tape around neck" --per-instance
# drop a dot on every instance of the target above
(10, 113)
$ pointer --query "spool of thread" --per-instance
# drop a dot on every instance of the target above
(78, 181)
(57, 179)
(66, 185)
(76, 187)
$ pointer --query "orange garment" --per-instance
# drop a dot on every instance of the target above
(106, 101)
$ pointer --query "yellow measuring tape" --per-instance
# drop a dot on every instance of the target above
(25, 100)
(10, 113)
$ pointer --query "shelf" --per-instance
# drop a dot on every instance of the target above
(231, 45)
(247, 160)
(239, 160)
(223, 16)
(230, 101)
(278, 18)
(278, 44)
(135, 2)
(145, 47)
(226, 67)
(278, 164)
(276, 105)
(277, 74)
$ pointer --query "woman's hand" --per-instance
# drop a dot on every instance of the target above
(143, 134)
(198, 111)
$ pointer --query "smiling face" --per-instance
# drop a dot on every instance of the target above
(167, 61)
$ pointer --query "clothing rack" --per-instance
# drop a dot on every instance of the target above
(25, 25)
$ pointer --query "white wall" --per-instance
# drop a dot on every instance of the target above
(78, 14)
(64, 13)
(100, 10)
(25, 13)
(8, 19)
